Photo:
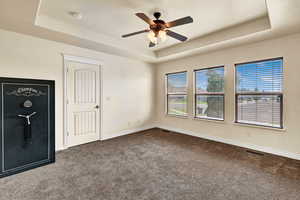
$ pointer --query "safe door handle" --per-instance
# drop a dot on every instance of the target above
(27, 117)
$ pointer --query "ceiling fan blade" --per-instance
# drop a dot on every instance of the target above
(179, 22)
(144, 17)
(135, 33)
(151, 44)
(176, 36)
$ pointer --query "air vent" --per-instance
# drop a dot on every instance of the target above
(255, 153)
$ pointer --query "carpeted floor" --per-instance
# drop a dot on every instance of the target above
(157, 165)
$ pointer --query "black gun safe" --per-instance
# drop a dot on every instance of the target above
(27, 124)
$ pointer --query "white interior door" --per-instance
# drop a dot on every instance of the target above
(83, 103)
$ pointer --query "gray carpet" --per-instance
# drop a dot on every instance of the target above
(157, 165)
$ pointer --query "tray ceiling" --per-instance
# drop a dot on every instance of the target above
(217, 24)
(116, 17)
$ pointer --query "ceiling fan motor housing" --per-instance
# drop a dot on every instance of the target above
(159, 25)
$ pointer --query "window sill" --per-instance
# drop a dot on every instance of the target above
(210, 120)
(259, 127)
(178, 116)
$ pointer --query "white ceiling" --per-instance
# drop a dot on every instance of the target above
(218, 23)
(114, 18)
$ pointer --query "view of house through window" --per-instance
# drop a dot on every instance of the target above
(177, 93)
(209, 94)
(259, 93)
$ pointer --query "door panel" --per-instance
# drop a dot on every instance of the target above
(83, 93)
(84, 123)
(85, 86)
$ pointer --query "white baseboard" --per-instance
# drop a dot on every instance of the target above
(235, 143)
(208, 137)
(60, 149)
(117, 134)
(127, 132)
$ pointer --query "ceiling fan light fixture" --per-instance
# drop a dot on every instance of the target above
(152, 37)
(162, 35)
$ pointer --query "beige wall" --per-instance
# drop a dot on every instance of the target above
(129, 89)
(127, 84)
(286, 142)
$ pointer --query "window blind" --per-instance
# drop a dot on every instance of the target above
(259, 93)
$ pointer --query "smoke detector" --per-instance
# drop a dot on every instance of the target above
(75, 14)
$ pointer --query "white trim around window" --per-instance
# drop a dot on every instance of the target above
(180, 95)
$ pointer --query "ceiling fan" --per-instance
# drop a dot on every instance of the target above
(159, 29)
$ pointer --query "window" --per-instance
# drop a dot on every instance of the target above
(259, 93)
(177, 93)
(209, 94)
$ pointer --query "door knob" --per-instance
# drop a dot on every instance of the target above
(97, 106)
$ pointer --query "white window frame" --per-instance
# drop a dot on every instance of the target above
(167, 94)
(208, 93)
(281, 94)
